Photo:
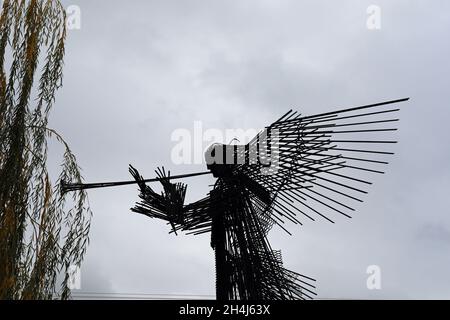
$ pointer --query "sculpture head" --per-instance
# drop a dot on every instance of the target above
(221, 159)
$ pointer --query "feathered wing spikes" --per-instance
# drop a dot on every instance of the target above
(321, 165)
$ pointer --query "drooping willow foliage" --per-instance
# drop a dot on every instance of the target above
(42, 233)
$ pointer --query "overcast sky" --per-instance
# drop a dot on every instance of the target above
(138, 70)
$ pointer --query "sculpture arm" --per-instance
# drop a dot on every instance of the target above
(169, 205)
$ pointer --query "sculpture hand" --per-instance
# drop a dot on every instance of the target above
(172, 197)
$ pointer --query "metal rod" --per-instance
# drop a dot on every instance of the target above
(355, 108)
(66, 187)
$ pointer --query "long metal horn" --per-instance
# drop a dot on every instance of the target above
(66, 187)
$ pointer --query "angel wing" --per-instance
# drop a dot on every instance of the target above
(319, 165)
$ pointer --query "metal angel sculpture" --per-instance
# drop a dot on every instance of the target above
(299, 167)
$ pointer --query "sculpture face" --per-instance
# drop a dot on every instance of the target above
(221, 159)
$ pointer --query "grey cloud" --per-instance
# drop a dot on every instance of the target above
(137, 71)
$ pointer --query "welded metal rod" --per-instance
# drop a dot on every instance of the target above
(66, 187)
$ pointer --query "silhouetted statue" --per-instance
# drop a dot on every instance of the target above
(299, 165)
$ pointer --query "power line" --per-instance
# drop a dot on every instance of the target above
(143, 296)
(157, 296)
